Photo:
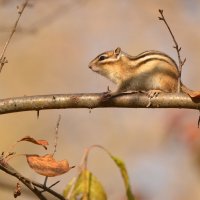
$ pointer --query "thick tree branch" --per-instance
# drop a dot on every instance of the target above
(63, 101)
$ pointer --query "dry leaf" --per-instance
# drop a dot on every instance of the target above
(191, 93)
(43, 143)
(17, 191)
(47, 166)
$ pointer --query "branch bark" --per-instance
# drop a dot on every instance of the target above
(95, 100)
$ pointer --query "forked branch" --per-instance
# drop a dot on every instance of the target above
(177, 47)
(32, 185)
(3, 59)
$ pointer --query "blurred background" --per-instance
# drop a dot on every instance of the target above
(49, 54)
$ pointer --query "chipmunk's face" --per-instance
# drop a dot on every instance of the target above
(105, 62)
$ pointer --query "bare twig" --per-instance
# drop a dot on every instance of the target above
(54, 184)
(56, 134)
(45, 181)
(50, 186)
(55, 146)
(3, 59)
(178, 49)
(45, 185)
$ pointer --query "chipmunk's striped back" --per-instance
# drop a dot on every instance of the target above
(150, 55)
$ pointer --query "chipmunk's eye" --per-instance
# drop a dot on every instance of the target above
(102, 57)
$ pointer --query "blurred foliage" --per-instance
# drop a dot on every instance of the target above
(87, 187)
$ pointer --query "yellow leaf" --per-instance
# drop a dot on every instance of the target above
(87, 187)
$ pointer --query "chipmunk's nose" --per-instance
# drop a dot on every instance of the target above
(90, 65)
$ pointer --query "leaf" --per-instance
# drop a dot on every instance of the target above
(120, 164)
(47, 166)
(17, 191)
(191, 93)
(43, 143)
(125, 177)
(87, 187)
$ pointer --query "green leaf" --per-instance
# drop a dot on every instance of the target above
(125, 176)
(87, 187)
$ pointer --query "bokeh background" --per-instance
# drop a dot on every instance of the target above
(49, 54)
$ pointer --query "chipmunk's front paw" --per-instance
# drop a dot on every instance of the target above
(152, 94)
(107, 95)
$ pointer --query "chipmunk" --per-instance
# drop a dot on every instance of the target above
(151, 71)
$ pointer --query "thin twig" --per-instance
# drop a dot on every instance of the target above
(53, 184)
(178, 49)
(45, 184)
(32, 185)
(56, 134)
(3, 59)
(55, 146)
(45, 181)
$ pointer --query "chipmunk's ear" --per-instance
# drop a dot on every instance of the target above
(117, 51)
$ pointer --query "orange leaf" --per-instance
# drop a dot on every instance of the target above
(43, 143)
(47, 166)
(193, 94)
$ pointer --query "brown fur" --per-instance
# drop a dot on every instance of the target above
(151, 70)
